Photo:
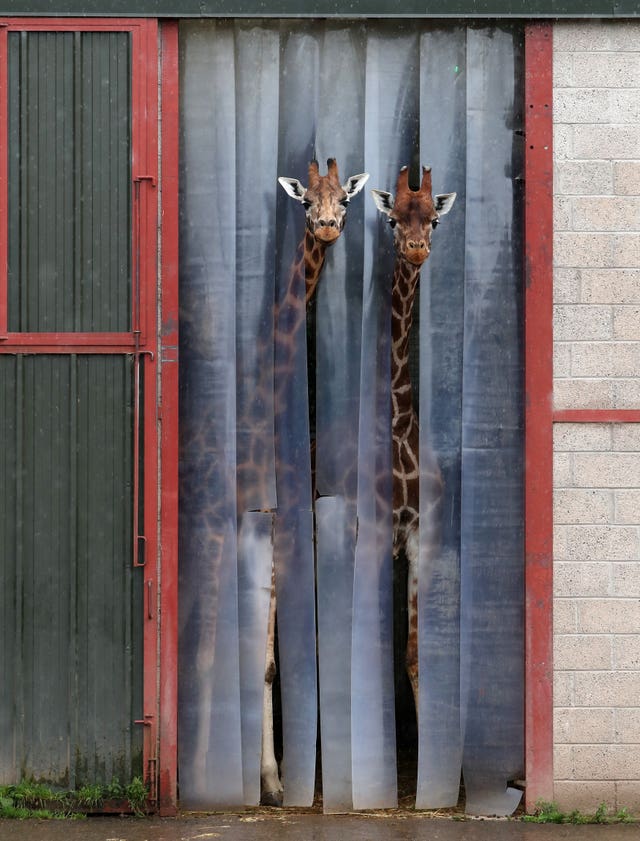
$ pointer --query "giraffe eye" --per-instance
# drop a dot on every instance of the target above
(434, 224)
(392, 222)
(306, 204)
(344, 202)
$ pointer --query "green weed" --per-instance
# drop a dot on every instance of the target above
(136, 793)
(550, 813)
(90, 797)
(114, 791)
(29, 799)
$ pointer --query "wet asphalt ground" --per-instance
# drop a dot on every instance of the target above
(291, 826)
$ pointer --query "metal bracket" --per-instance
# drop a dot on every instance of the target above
(150, 178)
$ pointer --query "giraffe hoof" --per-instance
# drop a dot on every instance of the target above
(271, 798)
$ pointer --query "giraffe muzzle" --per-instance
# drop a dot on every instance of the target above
(417, 255)
(326, 232)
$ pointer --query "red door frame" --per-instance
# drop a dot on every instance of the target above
(538, 412)
(161, 392)
(160, 704)
(141, 342)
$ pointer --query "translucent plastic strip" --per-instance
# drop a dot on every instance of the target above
(255, 559)
(337, 384)
(257, 53)
(257, 93)
(210, 751)
(373, 750)
(297, 649)
(391, 126)
(339, 299)
(293, 463)
(336, 537)
(392, 116)
(443, 92)
(492, 563)
(294, 555)
(373, 747)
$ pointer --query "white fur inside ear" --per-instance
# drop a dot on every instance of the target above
(355, 183)
(292, 187)
(444, 202)
(383, 200)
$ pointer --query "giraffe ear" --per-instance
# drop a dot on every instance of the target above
(383, 200)
(355, 183)
(293, 188)
(444, 202)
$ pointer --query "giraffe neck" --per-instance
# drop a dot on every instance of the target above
(289, 318)
(310, 256)
(313, 256)
(405, 282)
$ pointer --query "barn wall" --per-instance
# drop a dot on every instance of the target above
(597, 367)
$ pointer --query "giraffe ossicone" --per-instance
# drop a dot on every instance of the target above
(413, 215)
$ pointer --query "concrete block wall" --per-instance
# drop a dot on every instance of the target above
(597, 366)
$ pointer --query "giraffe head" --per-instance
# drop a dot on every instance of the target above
(413, 215)
(325, 200)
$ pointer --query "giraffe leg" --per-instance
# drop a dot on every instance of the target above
(411, 662)
(204, 663)
(271, 787)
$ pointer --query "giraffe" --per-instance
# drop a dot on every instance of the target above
(325, 201)
(413, 215)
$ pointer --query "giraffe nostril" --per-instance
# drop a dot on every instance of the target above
(327, 223)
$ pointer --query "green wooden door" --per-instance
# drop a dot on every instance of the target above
(72, 337)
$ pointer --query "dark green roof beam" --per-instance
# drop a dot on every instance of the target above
(324, 8)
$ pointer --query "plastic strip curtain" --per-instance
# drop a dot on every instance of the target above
(227, 444)
(209, 679)
(261, 100)
(352, 381)
(492, 583)
(295, 573)
(442, 93)
(257, 70)
(337, 394)
(255, 559)
(471, 704)
(389, 144)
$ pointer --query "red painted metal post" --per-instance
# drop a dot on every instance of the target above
(168, 755)
(538, 413)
